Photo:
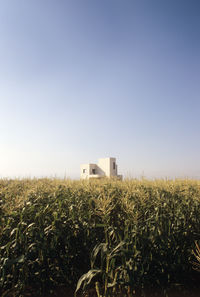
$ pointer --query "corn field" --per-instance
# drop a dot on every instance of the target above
(108, 237)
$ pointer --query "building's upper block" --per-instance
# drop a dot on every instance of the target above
(109, 166)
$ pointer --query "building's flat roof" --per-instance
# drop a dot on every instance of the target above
(107, 158)
(88, 164)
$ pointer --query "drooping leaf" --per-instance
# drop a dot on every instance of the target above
(86, 278)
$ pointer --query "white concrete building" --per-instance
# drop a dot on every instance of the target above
(106, 167)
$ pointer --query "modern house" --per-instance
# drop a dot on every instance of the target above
(106, 167)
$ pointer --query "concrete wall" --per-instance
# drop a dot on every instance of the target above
(89, 170)
(84, 171)
(113, 167)
(106, 164)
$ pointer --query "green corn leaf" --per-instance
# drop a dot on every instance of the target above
(86, 279)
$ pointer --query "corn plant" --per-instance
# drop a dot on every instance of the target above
(197, 256)
(142, 232)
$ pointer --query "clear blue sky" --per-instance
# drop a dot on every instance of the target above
(83, 79)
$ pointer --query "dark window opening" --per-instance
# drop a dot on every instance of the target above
(114, 165)
(93, 171)
(84, 170)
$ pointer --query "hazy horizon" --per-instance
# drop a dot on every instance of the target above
(82, 80)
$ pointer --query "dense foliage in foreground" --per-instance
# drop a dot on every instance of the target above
(144, 233)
